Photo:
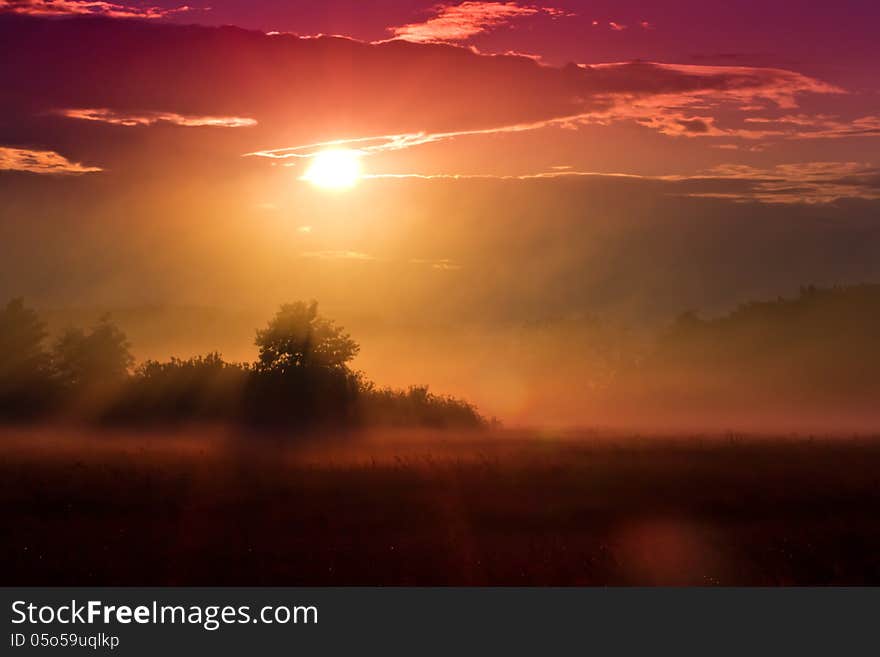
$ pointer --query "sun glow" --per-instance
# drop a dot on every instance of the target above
(334, 169)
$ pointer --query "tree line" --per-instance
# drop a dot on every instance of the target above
(302, 377)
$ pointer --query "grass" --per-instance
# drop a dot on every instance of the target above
(212, 507)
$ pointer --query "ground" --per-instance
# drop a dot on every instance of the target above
(214, 506)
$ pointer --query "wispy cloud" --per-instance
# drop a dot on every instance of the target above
(663, 97)
(86, 8)
(132, 119)
(459, 22)
(820, 126)
(744, 85)
(439, 264)
(380, 143)
(492, 176)
(443, 264)
(688, 97)
(337, 255)
(799, 182)
(677, 122)
(43, 162)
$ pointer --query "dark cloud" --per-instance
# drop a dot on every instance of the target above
(693, 125)
(305, 86)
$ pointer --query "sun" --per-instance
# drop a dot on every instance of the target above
(334, 169)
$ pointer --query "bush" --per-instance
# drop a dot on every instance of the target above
(199, 388)
(416, 406)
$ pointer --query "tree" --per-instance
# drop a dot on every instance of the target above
(22, 357)
(100, 356)
(24, 373)
(297, 338)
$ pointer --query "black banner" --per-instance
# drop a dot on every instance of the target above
(408, 621)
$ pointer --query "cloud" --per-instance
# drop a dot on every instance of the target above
(665, 97)
(735, 84)
(43, 162)
(750, 148)
(697, 125)
(653, 95)
(675, 122)
(337, 255)
(794, 183)
(381, 143)
(460, 22)
(85, 8)
(820, 126)
(443, 264)
(130, 119)
(800, 182)
(399, 95)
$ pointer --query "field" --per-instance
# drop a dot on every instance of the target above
(212, 506)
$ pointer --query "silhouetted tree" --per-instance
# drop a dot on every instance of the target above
(297, 337)
(98, 357)
(21, 342)
(23, 361)
(302, 374)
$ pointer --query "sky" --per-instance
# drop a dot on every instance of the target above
(515, 162)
